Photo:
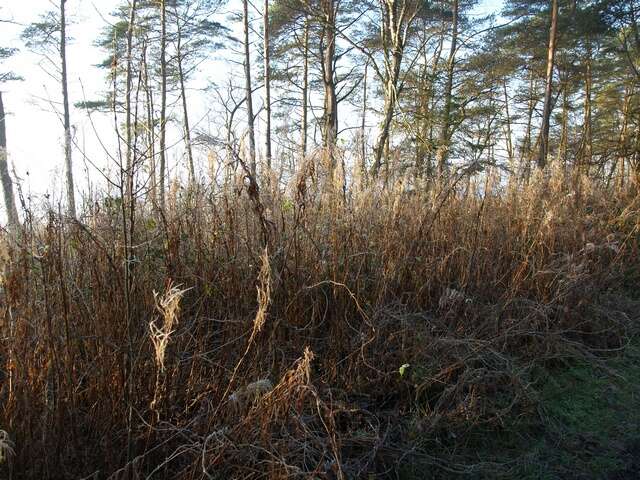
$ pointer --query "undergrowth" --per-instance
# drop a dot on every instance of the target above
(307, 331)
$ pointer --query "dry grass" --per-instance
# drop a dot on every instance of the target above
(169, 307)
(472, 286)
(6, 447)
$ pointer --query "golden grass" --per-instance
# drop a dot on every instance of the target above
(469, 286)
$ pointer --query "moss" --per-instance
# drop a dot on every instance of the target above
(590, 413)
(588, 420)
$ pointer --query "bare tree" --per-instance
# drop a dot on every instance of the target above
(71, 201)
(183, 95)
(49, 37)
(7, 184)
(163, 100)
(363, 124)
(128, 209)
(267, 85)
(248, 88)
(305, 88)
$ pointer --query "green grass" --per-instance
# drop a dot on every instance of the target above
(592, 417)
(589, 418)
(587, 426)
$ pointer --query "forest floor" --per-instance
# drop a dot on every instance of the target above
(590, 424)
(587, 426)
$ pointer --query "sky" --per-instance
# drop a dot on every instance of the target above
(34, 129)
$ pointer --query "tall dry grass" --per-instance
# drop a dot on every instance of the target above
(469, 286)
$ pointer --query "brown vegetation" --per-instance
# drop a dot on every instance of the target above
(468, 286)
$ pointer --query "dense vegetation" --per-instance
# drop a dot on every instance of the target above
(388, 324)
(351, 308)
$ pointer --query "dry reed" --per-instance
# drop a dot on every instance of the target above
(468, 286)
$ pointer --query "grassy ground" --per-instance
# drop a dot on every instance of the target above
(586, 426)
(592, 420)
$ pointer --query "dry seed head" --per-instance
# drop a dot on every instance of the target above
(264, 293)
(169, 307)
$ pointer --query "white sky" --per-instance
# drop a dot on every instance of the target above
(34, 131)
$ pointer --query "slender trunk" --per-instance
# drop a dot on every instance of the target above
(185, 111)
(445, 136)
(128, 170)
(587, 147)
(328, 54)
(71, 201)
(525, 152)
(163, 101)
(636, 35)
(508, 125)
(7, 184)
(429, 107)
(248, 88)
(393, 40)
(363, 126)
(634, 170)
(151, 137)
(305, 89)
(127, 200)
(420, 115)
(387, 157)
(267, 86)
(636, 161)
(546, 113)
(383, 137)
(622, 139)
(564, 135)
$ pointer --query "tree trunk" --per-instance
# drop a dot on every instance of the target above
(328, 54)
(7, 184)
(525, 152)
(622, 139)
(546, 113)
(394, 26)
(508, 125)
(632, 150)
(71, 202)
(587, 143)
(636, 162)
(128, 201)
(248, 88)
(185, 110)
(127, 178)
(163, 101)
(267, 86)
(305, 89)
(420, 115)
(151, 137)
(424, 150)
(383, 137)
(363, 125)
(445, 136)
(564, 135)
